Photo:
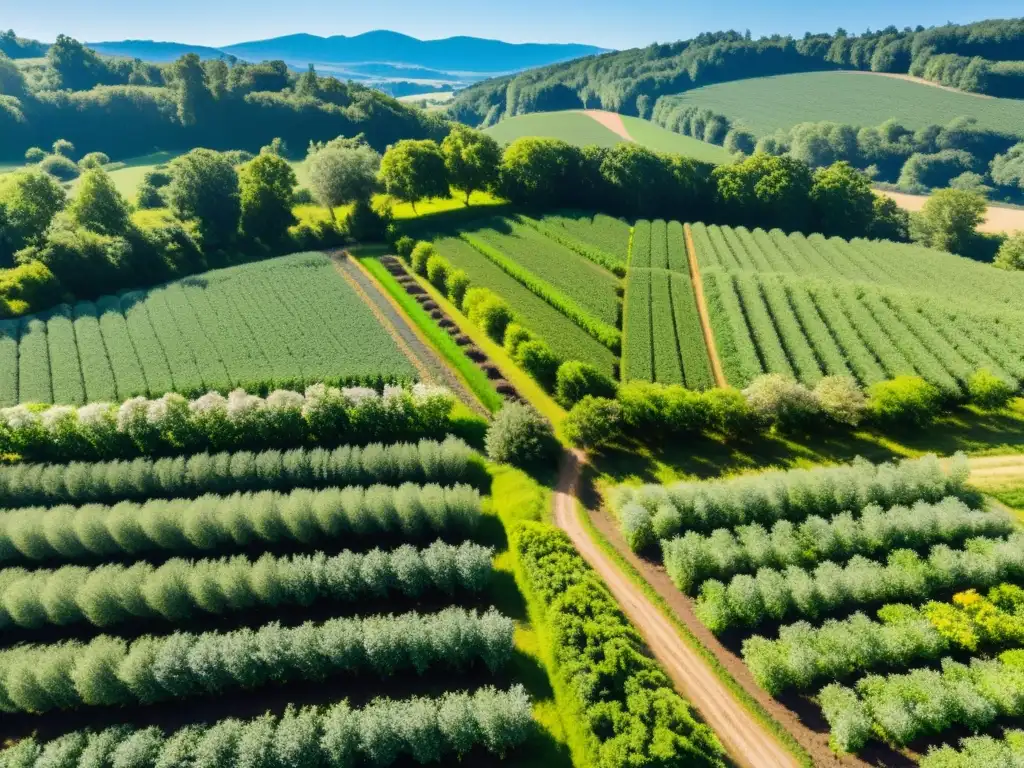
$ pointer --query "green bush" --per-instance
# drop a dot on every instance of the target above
(906, 401)
(576, 380)
(63, 147)
(515, 335)
(404, 246)
(781, 402)
(34, 155)
(842, 399)
(419, 257)
(458, 284)
(489, 312)
(148, 197)
(93, 160)
(519, 435)
(60, 167)
(988, 391)
(438, 269)
(593, 422)
(536, 358)
(727, 412)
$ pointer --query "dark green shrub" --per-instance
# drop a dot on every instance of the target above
(593, 422)
(988, 391)
(906, 401)
(576, 380)
(60, 167)
(93, 160)
(536, 358)
(519, 435)
(404, 246)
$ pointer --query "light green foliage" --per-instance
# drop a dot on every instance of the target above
(471, 159)
(437, 270)
(515, 335)
(419, 257)
(94, 160)
(204, 188)
(64, 148)
(99, 206)
(106, 671)
(343, 174)
(404, 246)
(266, 186)
(988, 390)
(536, 358)
(1011, 253)
(576, 380)
(792, 495)
(844, 200)
(978, 750)
(34, 155)
(841, 399)
(780, 402)
(283, 322)
(583, 628)
(429, 729)
(593, 422)
(209, 524)
(520, 436)
(458, 284)
(950, 219)
(488, 311)
(413, 170)
(907, 401)
(30, 200)
(179, 590)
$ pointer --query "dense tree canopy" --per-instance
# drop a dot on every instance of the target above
(472, 159)
(343, 173)
(414, 170)
(28, 202)
(98, 205)
(204, 188)
(949, 220)
(266, 185)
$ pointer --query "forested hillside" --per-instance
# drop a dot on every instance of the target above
(124, 107)
(987, 57)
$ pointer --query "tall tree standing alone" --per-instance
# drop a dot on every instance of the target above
(342, 173)
(414, 170)
(98, 206)
(472, 159)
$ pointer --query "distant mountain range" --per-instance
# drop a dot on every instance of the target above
(379, 57)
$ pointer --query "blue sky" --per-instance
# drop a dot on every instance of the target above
(609, 23)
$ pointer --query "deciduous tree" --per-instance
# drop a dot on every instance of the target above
(99, 206)
(266, 185)
(472, 159)
(414, 170)
(204, 188)
(343, 174)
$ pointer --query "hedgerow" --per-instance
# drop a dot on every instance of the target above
(425, 729)
(748, 601)
(652, 512)
(172, 424)
(218, 523)
(623, 704)
(978, 750)
(427, 461)
(182, 589)
(693, 558)
(958, 696)
(804, 656)
(107, 671)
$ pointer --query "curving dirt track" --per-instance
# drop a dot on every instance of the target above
(747, 742)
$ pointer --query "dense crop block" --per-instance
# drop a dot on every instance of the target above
(773, 595)
(804, 656)
(219, 523)
(692, 558)
(9, 362)
(568, 340)
(810, 306)
(978, 750)
(652, 512)
(563, 237)
(959, 695)
(638, 344)
(623, 705)
(108, 671)
(606, 234)
(428, 730)
(427, 461)
(181, 589)
(281, 322)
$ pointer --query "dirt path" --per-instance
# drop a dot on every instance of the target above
(746, 741)
(702, 311)
(428, 364)
(610, 120)
(997, 218)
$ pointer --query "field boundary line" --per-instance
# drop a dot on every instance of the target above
(413, 358)
(702, 310)
(748, 742)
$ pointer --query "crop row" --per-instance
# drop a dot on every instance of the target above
(215, 523)
(565, 234)
(651, 512)
(283, 322)
(774, 595)
(979, 750)
(107, 671)
(173, 424)
(427, 461)
(428, 730)
(181, 589)
(964, 696)
(804, 656)
(637, 349)
(693, 558)
(600, 327)
(588, 637)
(608, 234)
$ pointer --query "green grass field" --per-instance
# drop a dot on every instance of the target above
(766, 104)
(573, 127)
(653, 136)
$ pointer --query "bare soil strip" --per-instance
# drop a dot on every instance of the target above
(997, 218)
(610, 120)
(747, 742)
(702, 311)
